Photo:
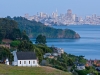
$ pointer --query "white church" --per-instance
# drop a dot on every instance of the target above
(24, 59)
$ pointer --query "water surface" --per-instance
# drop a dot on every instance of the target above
(88, 45)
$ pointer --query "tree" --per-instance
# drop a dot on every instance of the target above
(1, 37)
(9, 29)
(5, 53)
(82, 72)
(41, 39)
(15, 43)
(25, 46)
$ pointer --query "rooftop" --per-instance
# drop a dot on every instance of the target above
(26, 55)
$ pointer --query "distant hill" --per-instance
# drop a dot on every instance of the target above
(9, 30)
(14, 70)
(33, 29)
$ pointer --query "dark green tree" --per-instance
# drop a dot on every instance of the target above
(41, 39)
(25, 46)
(1, 37)
(82, 72)
(16, 34)
(15, 43)
(9, 29)
(5, 53)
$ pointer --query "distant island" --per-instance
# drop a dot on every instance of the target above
(33, 29)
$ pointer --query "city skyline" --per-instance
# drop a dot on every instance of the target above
(18, 8)
(68, 18)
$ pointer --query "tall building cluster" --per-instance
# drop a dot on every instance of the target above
(64, 19)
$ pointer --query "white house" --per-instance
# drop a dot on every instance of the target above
(80, 66)
(60, 51)
(24, 59)
(47, 55)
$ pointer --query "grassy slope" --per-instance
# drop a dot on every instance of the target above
(14, 70)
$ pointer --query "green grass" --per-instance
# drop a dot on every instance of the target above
(14, 70)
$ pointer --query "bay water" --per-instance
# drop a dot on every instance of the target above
(88, 45)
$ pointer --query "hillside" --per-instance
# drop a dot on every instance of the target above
(9, 30)
(14, 70)
(34, 28)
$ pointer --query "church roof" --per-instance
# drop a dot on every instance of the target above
(26, 55)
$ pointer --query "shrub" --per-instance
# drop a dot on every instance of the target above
(15, 43)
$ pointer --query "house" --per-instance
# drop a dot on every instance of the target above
(50, 55)
(5, 45)
(80, 66)
(6, 41)
(47, 55)
(55, 49)
(55, 54)
(60, 51)
(24, 59)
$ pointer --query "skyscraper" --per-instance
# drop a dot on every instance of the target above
(69, 14)
(26, 15)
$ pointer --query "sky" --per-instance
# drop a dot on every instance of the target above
(20, 7)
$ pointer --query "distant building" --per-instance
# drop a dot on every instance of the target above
(60, 51)
(55, 54)
(6, 41)
(5, 45)
(76, 19)
(48, 55)
(73, 17)
(69, 14)
(26, 15)
(80, 66)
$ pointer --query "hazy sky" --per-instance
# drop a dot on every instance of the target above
(20, 7)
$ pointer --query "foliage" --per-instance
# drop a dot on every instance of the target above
(33, 29)
(92, 70)
(5, 53)
(82, 72)
(1, 37)
(79, 59)
(60, 67)
(98, 73)
(15, 43)
(57, 64)
(66, 59)
(7, 27)
(9, 30)
(41, 39)
(25, 46)
(44, 48)
(24, 36)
